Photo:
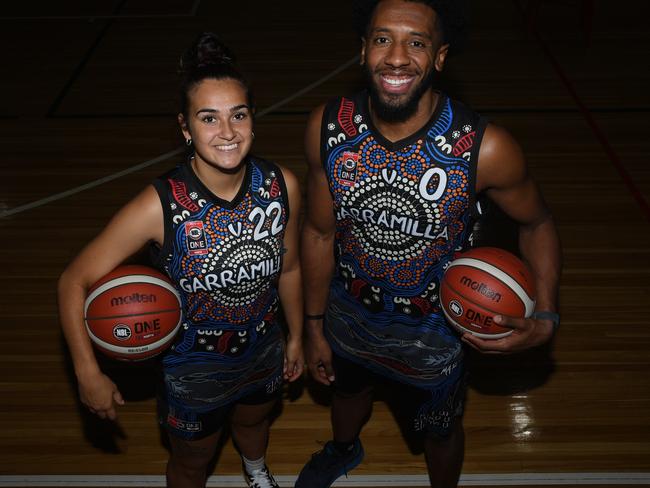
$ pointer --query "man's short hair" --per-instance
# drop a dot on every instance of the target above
(452, 14)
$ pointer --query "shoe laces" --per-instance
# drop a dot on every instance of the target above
(261, 478)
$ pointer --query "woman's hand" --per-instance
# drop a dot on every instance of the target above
(100, 395)
(294, 359)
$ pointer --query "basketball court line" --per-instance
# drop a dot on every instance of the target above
(191, 13)
(613, 156)
(99, 17)
(562, 110)
(168, 155)
(478, 108)
(195, 7)
(85, 59)
(375, 481)
(87, 56)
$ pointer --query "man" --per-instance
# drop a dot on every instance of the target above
(394, 174)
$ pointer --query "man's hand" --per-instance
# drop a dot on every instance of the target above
(319, 356)
(527, 333)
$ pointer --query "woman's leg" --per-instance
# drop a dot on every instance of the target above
(250, 428)
(187, 465)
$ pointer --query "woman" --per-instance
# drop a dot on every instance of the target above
(223, 226)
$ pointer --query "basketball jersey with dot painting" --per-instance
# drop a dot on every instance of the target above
(224, 258)
(403, 209)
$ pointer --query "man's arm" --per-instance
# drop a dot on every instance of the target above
(317, 252)
(503, 175)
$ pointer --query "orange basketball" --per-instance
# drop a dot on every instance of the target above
(132, 313)
(482, 283)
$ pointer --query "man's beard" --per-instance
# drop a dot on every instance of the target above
(397, 112)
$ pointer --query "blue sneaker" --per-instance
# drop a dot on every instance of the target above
(327, 465)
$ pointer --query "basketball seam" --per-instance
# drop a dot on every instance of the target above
(167, 310)
(510, 282)
(141, 348)
(134, 278)
(474, 332)
(470, 298)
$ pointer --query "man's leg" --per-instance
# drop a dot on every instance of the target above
(351, 406)
(444, 443)
(445, 456)
(349, 412)
(351, 399)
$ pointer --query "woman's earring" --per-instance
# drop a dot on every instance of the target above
(253, 134)
(188, 142)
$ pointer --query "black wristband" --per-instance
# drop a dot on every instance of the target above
(320, 316)
(545, 315)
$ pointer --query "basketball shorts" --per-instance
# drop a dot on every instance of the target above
(188, 424)
(432, 412)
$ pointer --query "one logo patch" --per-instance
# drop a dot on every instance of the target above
(194, 426)
(348, 169)
(196, 242)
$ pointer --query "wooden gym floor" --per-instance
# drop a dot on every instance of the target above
(89, 91)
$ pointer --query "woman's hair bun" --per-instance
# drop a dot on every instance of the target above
(207, 58)
(206, 51)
